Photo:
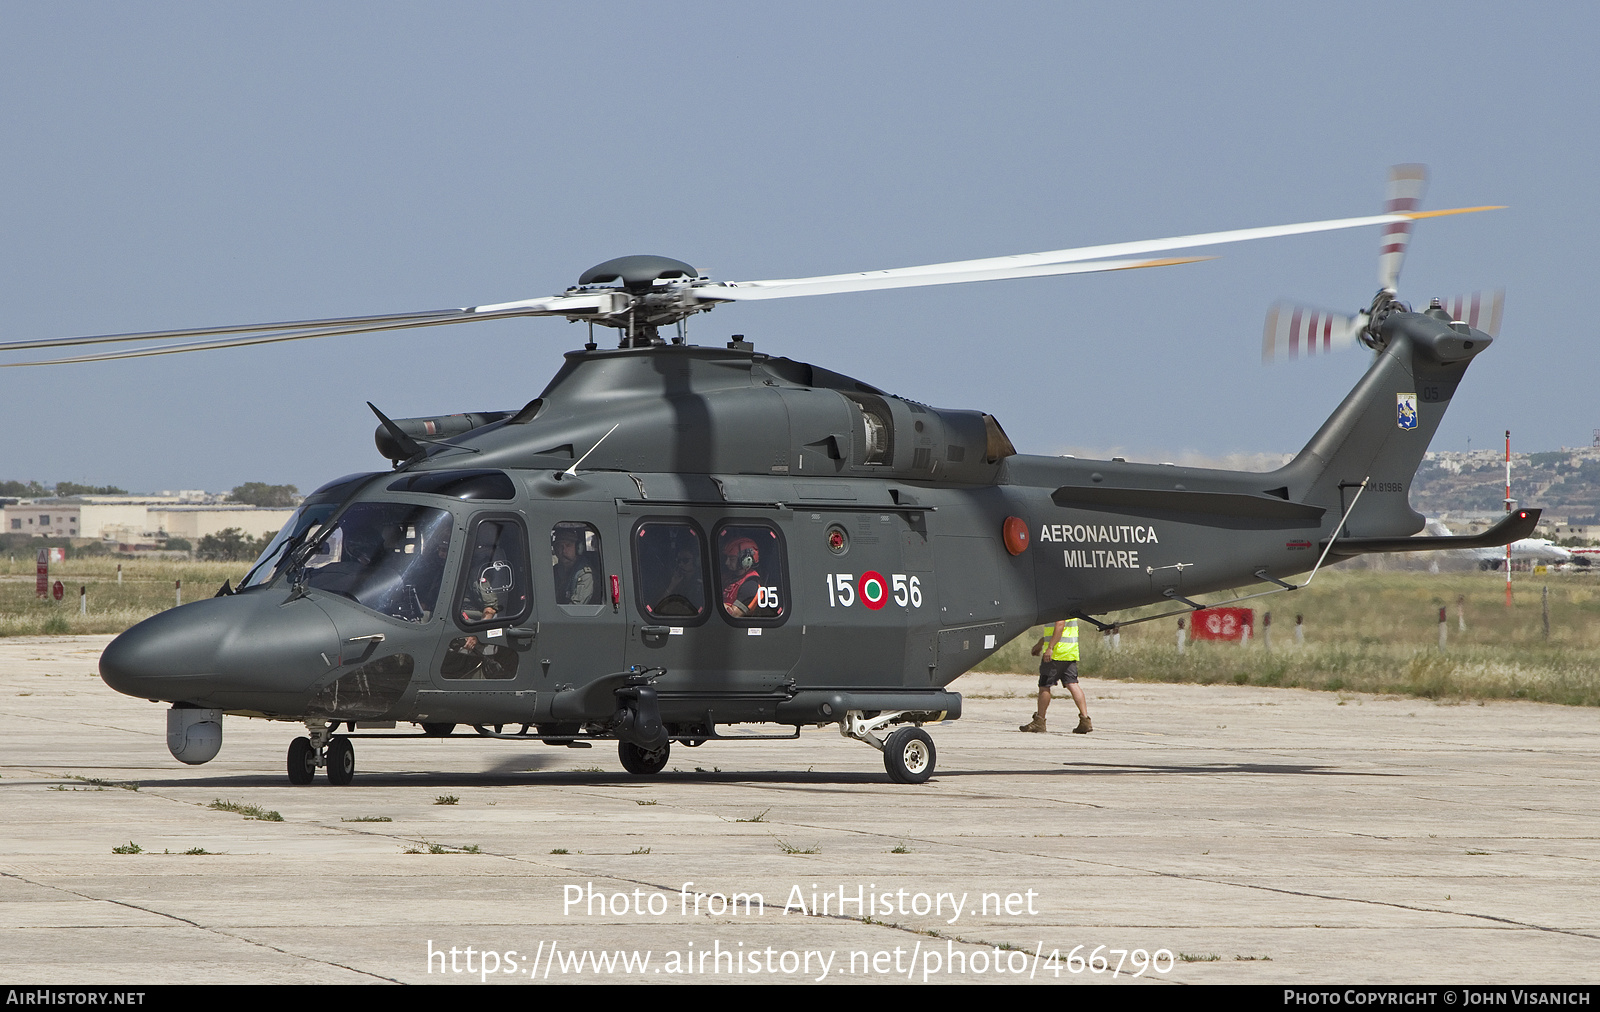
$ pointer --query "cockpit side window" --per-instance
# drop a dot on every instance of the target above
(495, 583)
(496, 591)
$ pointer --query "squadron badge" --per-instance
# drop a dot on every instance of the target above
(1407, 411)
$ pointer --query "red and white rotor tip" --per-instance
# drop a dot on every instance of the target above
(1480, 310)
(1406, 186)
(1301, 332)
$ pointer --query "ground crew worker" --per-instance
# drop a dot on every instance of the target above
(1058, 662)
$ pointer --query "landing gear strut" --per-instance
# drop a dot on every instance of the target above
(321, 749)
(908, 753)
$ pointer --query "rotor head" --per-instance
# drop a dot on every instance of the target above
(637, 273)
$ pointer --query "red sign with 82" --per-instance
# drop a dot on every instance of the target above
(1224, 623)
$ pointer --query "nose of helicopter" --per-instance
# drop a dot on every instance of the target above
(241, 651)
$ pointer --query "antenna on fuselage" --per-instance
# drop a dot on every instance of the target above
(572, 472)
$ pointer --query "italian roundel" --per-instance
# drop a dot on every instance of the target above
(874, 592)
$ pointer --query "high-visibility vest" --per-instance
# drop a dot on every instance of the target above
(1067, 646)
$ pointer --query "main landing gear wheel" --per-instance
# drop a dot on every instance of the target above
(342, 761)
(909, 756)
(642, 762)
(302, 762)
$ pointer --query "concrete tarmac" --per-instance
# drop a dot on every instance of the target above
(1243, 835)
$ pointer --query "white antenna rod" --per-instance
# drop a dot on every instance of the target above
(573, 470)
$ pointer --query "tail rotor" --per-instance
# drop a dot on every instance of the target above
(1295, 331)
(1406, 186)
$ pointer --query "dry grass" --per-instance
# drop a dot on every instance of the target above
(1370, 631)
(146, 588)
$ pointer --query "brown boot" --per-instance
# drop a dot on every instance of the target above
(1084, 727)
(1035, 725)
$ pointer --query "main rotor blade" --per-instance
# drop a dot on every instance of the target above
(558, 305)
(241, 328)
(750, 291)
(468, 316)
(612, 303)
(933, 274)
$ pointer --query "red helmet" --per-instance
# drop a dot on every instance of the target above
(741, 554)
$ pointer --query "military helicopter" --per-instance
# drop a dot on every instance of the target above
(739, 539)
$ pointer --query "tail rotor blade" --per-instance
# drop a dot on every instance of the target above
(1406, 185)
(1294, 332)
(1480, 310)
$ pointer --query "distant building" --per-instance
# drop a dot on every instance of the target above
(196, 522)
(130, 519)
(1584, 532)
(44, 518)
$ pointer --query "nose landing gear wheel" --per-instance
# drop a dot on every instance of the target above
(640, 762)
(342, 761)
(909, 756)
(302, 762)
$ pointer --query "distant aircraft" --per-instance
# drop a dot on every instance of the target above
(1527, 550)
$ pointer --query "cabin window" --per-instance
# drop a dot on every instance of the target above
(575, 563)
(669, 557)
(752, 577)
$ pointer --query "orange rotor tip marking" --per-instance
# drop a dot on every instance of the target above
(1165, 262)
(1414, 215)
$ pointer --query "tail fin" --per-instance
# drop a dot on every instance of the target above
(1382, 429)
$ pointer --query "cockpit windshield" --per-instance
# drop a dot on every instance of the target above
(389, 557)
(301, 521)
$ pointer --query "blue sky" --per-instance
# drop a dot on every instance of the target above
(171, 165)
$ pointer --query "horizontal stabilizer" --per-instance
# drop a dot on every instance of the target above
(1517, 525)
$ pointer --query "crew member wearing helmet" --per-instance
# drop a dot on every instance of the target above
(741, 580)
(575, 578)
